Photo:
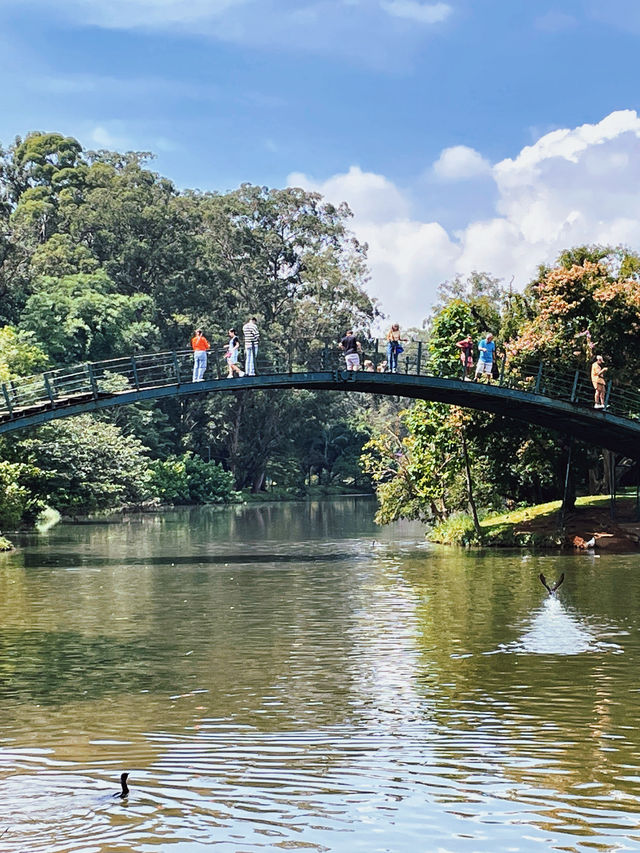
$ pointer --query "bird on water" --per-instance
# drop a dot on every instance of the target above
(125, 788)
(551, 589)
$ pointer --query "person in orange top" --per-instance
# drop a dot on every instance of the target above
(200, 346)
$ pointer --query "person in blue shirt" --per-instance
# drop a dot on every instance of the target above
(487, 350)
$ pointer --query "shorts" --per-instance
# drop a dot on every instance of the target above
(484, 367)
(353, 361)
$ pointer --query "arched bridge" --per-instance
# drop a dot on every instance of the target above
(535, 393)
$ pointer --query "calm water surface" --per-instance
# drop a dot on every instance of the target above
(289, 677)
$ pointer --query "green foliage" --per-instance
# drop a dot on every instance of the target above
(457, 529)
(418, 467)
(451, 324)
(81, 318)
(188, 479)
(89, 464)
(588, 304)
(20, 501)
(20, 354)
(5, 544)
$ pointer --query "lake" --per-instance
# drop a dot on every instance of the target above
(291, 677)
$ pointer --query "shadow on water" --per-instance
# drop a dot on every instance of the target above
(70, 560)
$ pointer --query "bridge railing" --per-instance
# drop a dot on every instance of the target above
(67, 385)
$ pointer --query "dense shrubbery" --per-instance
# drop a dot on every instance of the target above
(21, 487)
(188, 479)
(87, 465)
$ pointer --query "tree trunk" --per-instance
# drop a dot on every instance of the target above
(569, 494)
(472, 502)
(258, 480)
(234, 440)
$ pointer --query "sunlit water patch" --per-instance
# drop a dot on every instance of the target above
(554, 630)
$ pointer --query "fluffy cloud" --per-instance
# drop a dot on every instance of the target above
(459, 163)
(377, 199)
(573, 186)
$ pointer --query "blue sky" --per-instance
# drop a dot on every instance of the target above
(358, 97)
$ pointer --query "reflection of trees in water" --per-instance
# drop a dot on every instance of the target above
(556, 721)
(156, 604)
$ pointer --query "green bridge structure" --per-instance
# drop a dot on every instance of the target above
(540, 394)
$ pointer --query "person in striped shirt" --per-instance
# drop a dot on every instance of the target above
(251, 338)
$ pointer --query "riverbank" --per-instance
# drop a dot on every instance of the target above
(588, 527)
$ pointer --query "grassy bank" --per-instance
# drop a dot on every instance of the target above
(536, 526)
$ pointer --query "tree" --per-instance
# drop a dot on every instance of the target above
(452, 323)
(81, 318)
(89, 464)
(20, 354)
(22, 487)
(582, 306)
(420, 467)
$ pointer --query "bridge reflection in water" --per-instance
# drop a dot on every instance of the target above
(535, 393)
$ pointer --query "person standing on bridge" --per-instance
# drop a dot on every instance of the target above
(466, 356)
(598, 381)
(200, 345)
(350, 348)
(251, 338)
(487, 350)
(233, 347)
(394, 347)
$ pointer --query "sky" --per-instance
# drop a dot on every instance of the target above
(465, 135)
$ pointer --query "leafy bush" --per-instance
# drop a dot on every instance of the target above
(89, 464)
(456, 530)
(20, 354)
(20, 494)
(188, 479)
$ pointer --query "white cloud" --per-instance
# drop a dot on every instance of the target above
(423, 13)
(573, 186)
(374, 197)
(459, 163)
